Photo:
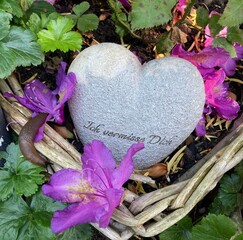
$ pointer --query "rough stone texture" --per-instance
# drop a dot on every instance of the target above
(119, 101)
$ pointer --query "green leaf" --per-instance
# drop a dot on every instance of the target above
(19, 175)
(4, 23)
(214, 26)
(11, 6)
(233, 14)
(18, 48)
(165, 44)
(88, 22)
(235, 34)
(146, 14)
(217, 207)
(26, 4)
(59, 36)
(202, 17)
(239, 237)
(79, 232)
(224, 43)
(81, 8)
(214, 227)
(19, 221)
(180, 231)
(41, 7)
(239, 169)
(231, 183)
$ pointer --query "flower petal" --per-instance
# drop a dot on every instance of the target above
(98, 158)
(126, 167)
(113, 197)
(200, 128)
(75, 214)
(69, 185)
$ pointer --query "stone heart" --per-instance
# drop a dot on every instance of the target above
(119, 101)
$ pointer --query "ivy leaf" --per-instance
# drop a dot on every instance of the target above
(233, 14)
(146, 14)
(59, 36)
(4, 23)
(82, 231)
(180, 231)
(11, 6)
(214, 227)
(18, 48)
(202, 16)
(18, 175)
(224, 43)
(19, 221)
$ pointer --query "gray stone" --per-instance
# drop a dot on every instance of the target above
(119, 101)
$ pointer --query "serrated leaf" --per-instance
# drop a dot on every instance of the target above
(4, 23)
(59, 36)
(88, 22)
(239, 169)
(202, 17)
(79, 232)
(39, 7)
(235, 34)
(26, 4)
(180, 231)
(231, 183)
(19, 221)
(81, 8)
(214, 227)
(224, 43)
(19, 175)
(233, 14)
(217, 207)
(214, 26)
(11, 6)
(18, 48)
(147, 13)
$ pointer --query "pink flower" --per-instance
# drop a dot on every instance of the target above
(95, 191)
(217, 100)
(181, 6)
(40, 99)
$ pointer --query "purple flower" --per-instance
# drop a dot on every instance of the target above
(217, 100)
(40, 99)
(95, 191)
(125, 3)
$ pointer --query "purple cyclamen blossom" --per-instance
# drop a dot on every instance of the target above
(40, 99)
(95, 191)
(216, 90)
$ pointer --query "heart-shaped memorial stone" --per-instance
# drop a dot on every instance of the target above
(119, 101)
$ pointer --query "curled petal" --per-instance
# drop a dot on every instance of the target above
(75, 214)
(200, 128)
(126, 167)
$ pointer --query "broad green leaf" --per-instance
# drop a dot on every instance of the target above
(235, 34)
(202, 17)
(4, 23)
(18, 48)
(59, 36)
(19, 175)
(180, 231)
(233, 14)
(41, 7)
(214, 227)
(79, 232)
(11, 6)
(224, 43)
(147, 13)
(19, 221)
(88, 22)
(81, 8)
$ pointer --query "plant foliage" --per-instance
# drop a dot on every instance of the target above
(18, 175)
(59, 36)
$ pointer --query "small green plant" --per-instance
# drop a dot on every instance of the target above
(25, 212)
